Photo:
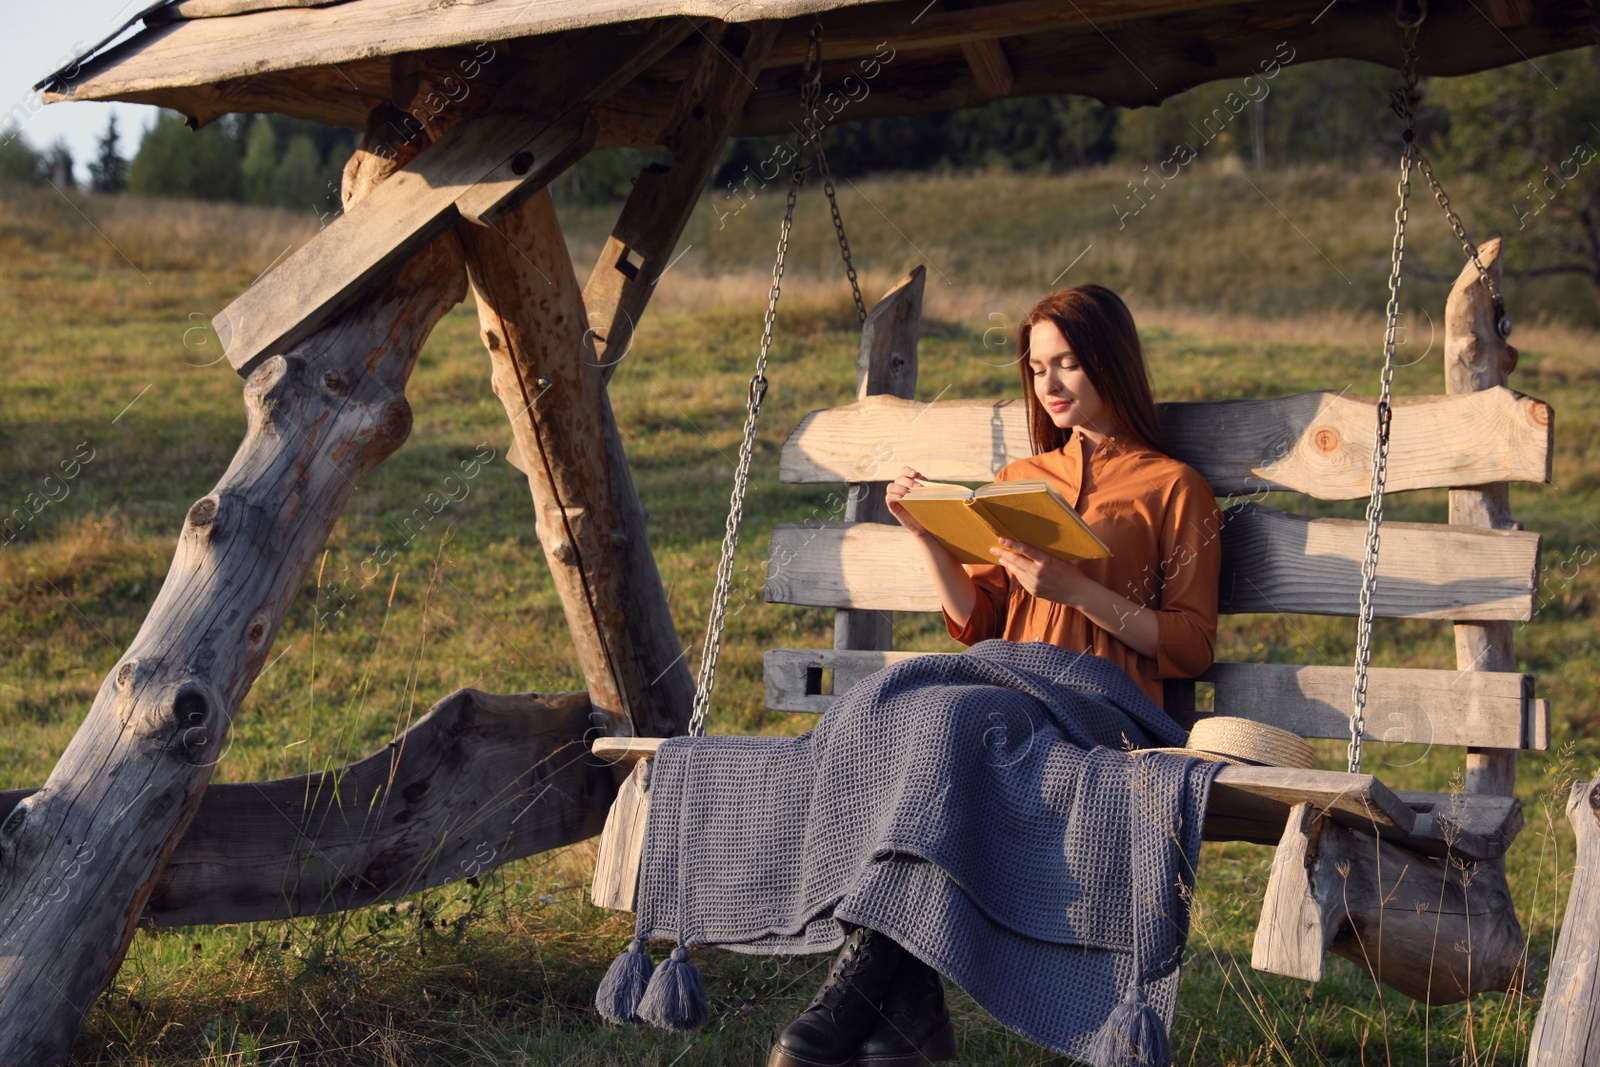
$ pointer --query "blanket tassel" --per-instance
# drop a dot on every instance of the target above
(675, 998)
(621, 990)
(1133, 1036)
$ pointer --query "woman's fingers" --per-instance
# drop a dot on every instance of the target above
(1018, 548)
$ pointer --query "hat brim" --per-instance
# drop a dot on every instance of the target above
(1210, 757)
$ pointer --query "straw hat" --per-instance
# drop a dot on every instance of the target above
(1228, 739)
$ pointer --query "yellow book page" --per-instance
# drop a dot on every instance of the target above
(1040, 518)
(956, 525)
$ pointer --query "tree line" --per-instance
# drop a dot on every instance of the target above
(1527, 133)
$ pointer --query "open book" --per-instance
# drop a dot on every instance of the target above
(969, 522)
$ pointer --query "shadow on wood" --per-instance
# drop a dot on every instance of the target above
(480, 780)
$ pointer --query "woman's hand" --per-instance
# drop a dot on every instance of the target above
(907, 481)
(1042, 574)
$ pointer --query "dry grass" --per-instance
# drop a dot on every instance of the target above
(1230, 303)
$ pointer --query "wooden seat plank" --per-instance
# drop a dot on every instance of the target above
(1272, 562)
(1316, 443)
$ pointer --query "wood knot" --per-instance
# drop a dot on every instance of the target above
(1594, 796)
(491, 340)
(565, 553)
(13, 824)
(191, 712)
(256, 632)
(203, 511)
(335, 384)
(1539, 413)
(126, 673)
(1325, 440)
(395, 421)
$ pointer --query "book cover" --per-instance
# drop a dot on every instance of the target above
(969, 522)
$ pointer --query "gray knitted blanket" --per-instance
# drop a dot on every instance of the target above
(980, 808)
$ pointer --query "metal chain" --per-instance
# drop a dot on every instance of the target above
(717, 618)
(1502, 323)
(1403, 101)
(844, 242)
(812, 89)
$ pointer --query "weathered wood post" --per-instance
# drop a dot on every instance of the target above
(79, 858)
(552, 347)
(885, 366)
(587, 513)
(1477, 357)
(1567, 1032)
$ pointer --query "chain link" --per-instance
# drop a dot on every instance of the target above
(717, 619)
(1404, 102)
(810, 91)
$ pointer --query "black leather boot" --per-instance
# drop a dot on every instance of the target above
(845, 1009)
(914, 1029)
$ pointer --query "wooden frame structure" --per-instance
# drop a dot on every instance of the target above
(468, 111)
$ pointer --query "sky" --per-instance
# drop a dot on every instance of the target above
(38, 36)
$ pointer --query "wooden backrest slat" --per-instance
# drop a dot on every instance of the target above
(1404, 705)
(1314, 443)
(1273, 562)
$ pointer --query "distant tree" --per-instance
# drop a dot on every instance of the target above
(1532, 133)
(175, 161)
(109, 171)
(293, 163)
(260, 165)
(58, 166)
(19, 163)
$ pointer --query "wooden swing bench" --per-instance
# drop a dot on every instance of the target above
(1378, 851)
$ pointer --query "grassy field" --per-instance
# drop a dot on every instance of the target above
(1244, 285)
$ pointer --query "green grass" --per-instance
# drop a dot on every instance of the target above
(1239, 292)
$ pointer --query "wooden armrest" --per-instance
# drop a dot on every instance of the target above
(1251, 803)
(626, 750)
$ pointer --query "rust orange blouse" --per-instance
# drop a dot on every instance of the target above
(1161, 522)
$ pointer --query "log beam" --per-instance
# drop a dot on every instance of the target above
(886, 365)
(80, 858)
(720, 79)
(1568, 1028)
(480, 780)
(1476, 357)
(1436, 929)
(588, 516)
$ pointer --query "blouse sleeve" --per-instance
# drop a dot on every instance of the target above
(988, 618)
(1191, 565)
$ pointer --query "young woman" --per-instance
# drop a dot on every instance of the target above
(1151, 608)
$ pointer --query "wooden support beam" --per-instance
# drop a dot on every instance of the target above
(886, 365)
(616, 865)
(480, 780)
(715, 88)
(1568, 1027)
(588, 514)
(476, 171)
(80, 858)
(1476, 357)
(1437, 930)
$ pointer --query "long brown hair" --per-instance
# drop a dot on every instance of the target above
(1100, 329)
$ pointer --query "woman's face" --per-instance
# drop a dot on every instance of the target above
(1061, 384)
